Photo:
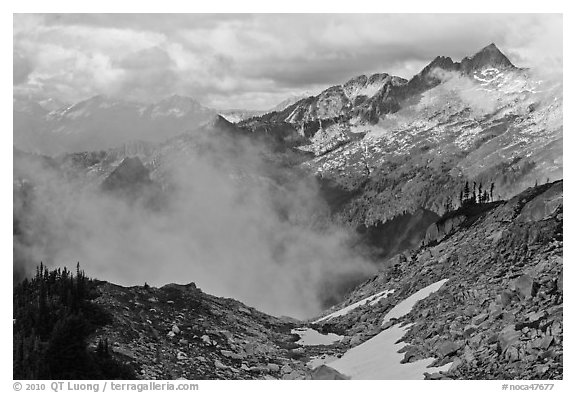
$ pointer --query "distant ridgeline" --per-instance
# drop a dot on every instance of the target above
(53, 317)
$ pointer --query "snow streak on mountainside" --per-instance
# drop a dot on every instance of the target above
(400, 146)
(371, 300)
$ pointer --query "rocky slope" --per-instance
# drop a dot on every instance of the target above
(496, 312)
(178, 331)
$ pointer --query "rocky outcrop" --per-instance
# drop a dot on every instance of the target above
(543, 206)
(441, 229)
(327, 373)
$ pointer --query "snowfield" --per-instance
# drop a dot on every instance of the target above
(378, 358)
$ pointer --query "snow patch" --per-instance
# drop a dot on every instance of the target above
(378, 358)
(405, 306)
(312, 337)
(317, 361)
(371, 300)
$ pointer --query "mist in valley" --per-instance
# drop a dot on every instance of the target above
(221, 211)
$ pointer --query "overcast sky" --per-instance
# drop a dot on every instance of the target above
(254, 61)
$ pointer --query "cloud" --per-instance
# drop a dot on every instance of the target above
(22, 68)
(228, 223)
(229, 60)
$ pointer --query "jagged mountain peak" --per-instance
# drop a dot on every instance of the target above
(443, 62)
(489, 56)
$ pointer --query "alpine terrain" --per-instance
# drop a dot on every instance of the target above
(384, 228)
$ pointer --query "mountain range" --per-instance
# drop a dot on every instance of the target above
(423, 216)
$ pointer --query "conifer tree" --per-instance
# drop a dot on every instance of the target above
(466, 191)
(480, 193)
(492, 192)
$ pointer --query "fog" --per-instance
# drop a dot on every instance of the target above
(228, 217)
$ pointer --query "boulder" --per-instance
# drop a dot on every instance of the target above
(469, 330)
(507, 337)
(412, 354)
(286, 369)
(505, 298)
(219, 365)
(206, 339)
(294, 375)
(232, 355)
(324, 372)
(448, 348)
(524, 286)
(455, 364)
(468, 356)
(477, 320)
(545, 342)
(512, 354)
(356, 340)
(245, 310)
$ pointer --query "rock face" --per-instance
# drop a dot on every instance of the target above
(490, 56)
(440, 229)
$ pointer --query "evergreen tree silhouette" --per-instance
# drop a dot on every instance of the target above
(466, 191)
(492, 192)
